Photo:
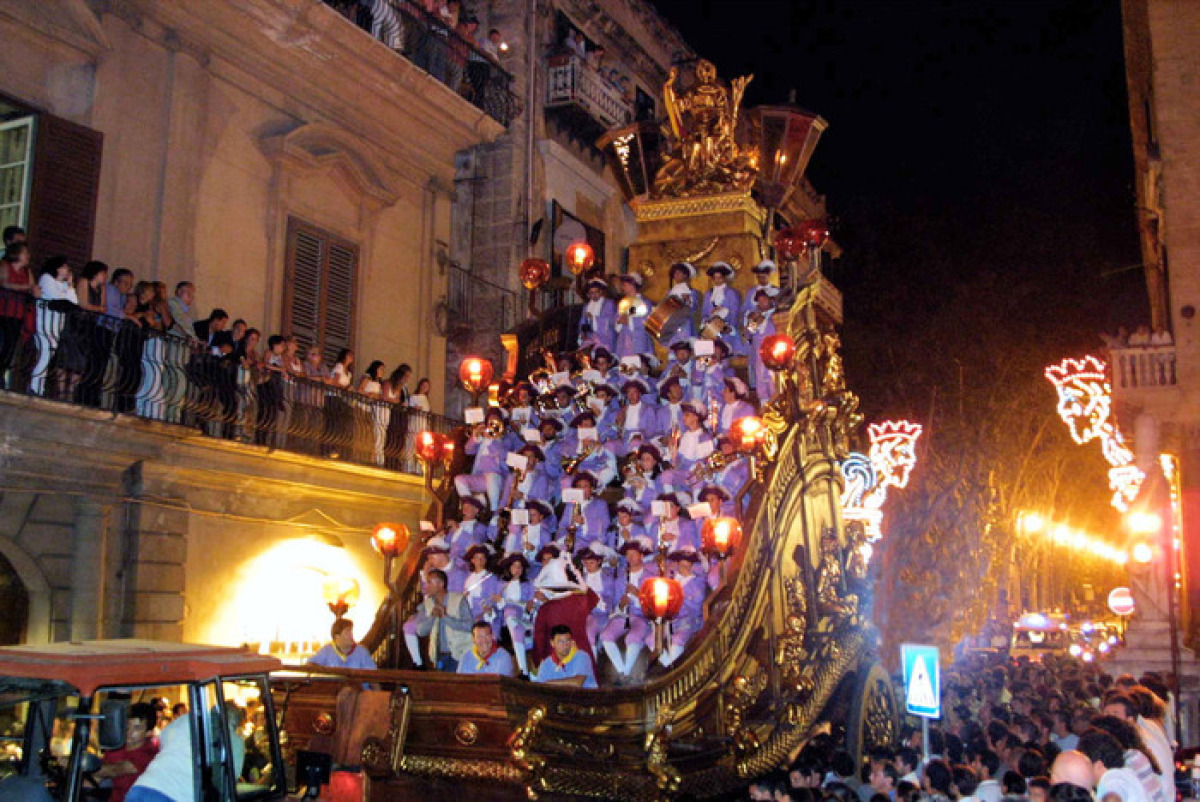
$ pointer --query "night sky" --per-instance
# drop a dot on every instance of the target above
(963, 137)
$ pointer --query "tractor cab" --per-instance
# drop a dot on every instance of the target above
(65, 713)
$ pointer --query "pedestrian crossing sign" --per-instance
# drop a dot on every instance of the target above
(922, 680)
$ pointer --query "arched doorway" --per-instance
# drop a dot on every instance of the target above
(14, 600)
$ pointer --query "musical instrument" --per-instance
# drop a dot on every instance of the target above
(713, 328)
(669, 317)
(709, 467)
(755, 321)
(630, 306)
(570, 464)
(494, 428)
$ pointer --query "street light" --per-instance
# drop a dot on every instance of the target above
(661, 601)
(1032, 523)
(389, 540)
(341, 593)
(475, 374)
(1144, 523)
(432, 447)
(720, 537)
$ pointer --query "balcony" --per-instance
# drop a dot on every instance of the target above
(60, 352)
(1143, 367)
(425, 40)
(586, 102)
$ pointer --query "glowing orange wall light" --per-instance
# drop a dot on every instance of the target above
(748, 433)
(777, 351)
(475, 374)
(429, 446)
(721, 536)
(389, 539)
(661, 598)
(579, 257)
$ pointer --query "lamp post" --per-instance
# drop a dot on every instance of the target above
(749, 435)
(720, 537)
(475, 374)
(433, 448)
(579, 259)
(533, 274)
(661, 599)
(389, 540)
(341, 593)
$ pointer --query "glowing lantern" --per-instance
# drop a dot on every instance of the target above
(789, 244)
(475, 374)
(534, 273)
(389, 539)
(429, 446)
(748, 433)
(341, 593)
(579, 257)
(777, 351)
(814, 233)
(1144, 523)
(720, 536)
(661, 598)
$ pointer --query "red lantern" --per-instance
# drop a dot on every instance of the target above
(389, 539)
(429, 446)
(721, 536)
(475, 374)
(447, 451)
(789, 244)
(534, 273)
(660, 598)
(579, 257)
(748, 433)
(777, 351)
(814, 233)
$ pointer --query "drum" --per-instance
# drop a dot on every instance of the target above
(712, 329)
(667, 318)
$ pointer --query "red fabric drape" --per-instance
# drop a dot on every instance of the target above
(572, 610)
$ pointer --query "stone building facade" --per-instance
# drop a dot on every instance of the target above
(185, 141)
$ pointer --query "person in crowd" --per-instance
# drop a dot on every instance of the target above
(587, 521)
(420, 397)
(183, 316)
(591, 559)
(633, 310)
(57, 293)
(314, 365)
(123, 766)
(515, 603)
(342, 651)
(722, 302)
(566, 665)
(733, 404)
(445, 618)
(485, 655)
(626, 621)
(13, 235)
(599, 317)
(1109, 775)
(96, 337)
(691, 616)
(493, 46)
(481, 586)
(680, 276)
(213, 332)
(490, 443)
(667, 530)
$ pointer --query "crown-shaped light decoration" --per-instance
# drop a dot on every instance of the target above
(889, 463)
(1085, 405)
(893, 451)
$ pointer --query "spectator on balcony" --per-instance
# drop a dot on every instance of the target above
(1160, 336)
(90, 287)
(448, 12)
(272, 412)
(142, 310)
(17, 274)
(291, 363)
(575, 44)
(595, 58)
(183, 320)
(314, 365)
(395, 392)
(12, 236)
(212, 331)
(116, 294)
(493, 46)
(420, 396)
(1140, 337)
(57, 293)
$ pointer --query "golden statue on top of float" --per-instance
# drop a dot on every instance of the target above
(702, 155)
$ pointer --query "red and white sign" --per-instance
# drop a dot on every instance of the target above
(1120, 601)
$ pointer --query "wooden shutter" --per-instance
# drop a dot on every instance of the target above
(319, 298)
(66, 183)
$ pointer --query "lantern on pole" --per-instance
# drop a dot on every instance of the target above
(579, 257)
(661, 599)
(748, 433)
(475, 374)
(430, 448)
(777, 351)
(533, 274)
(389, 540)
(720, 537)
(341, 593)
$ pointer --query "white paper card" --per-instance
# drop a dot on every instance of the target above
(520, 415)
(592, 375)
(589, 434)
(572, 495)
(698, 511)
(427, 526)
(520, 517)
(704, 448)
(531, 435)
(634, 362)
(518, 462)
(473, 415)
(560, 378)
(658, 508)
(703, 348)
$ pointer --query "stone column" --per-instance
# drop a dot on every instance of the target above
(154, 554)
(87, 569)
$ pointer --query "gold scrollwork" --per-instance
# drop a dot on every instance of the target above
(666, 776)
(744, 691)
(690, 250)
(466, 733)
(520, 750)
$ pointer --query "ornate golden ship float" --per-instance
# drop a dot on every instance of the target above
(786, 650)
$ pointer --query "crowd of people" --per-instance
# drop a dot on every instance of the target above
(102, 338)
(1061, 730)
(594, 57)
(594, 475)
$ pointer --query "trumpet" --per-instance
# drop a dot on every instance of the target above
(709, 467)
(494, 428)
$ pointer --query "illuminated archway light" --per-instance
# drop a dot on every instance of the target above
(1085, 405)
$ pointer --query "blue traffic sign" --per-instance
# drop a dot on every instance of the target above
(922, 680)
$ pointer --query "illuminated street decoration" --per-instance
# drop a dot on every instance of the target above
(890, 462)
(1085, 405)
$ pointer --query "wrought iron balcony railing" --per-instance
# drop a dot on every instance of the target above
(572, 83)
(63, 353)
(426, 40)
(1143, 366)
